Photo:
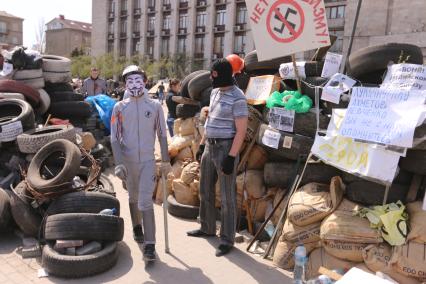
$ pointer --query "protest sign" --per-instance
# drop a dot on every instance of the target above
(331, 64)
(337, 85)
(284, 27)
(281, 119)
(287, 70)
(354, 157)
(7, 69)
(405, 77)
(260, 88)
(383, 116)
(271, 138)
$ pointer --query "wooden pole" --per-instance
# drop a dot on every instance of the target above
(296, 72)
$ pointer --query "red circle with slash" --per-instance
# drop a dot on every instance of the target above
(275, 13)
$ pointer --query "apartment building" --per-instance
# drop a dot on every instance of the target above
(203, 29)
(11, 32)
(64, 35)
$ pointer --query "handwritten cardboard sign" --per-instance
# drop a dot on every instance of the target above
(284, 27)
(383, 116)
(405, 77)
(260, 88)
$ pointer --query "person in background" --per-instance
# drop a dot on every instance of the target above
(94, 85)
(161, 92)
(225, 130)
(174, 89)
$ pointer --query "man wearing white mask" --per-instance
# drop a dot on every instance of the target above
(134, 123)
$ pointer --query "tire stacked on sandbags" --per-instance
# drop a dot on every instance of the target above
(254, 67)
(74, 216)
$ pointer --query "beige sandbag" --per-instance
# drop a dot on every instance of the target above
(177, 169)
(187, 127)
(88, 141)
(296, 234)
(377, 257)
(319, 257)
(275, 218)
(176, 126)
(410, 260)
(184, 154)
(178, 143)
(284, 253)
(159, 188)
(195, 188)
(344, 250)
(194, 148)
(257, 158)
(342, 225)
(183, 194)
(258, 209)
(417, 219)
(313, 202)
(190, 172)
(203, 114)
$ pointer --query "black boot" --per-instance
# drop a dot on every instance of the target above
(149, 252)
(138, 234)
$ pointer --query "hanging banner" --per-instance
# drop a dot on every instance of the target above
(383, 116)
(284, 27)
(405, 77)
(344, 153)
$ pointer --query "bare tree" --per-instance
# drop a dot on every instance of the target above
(41, 35)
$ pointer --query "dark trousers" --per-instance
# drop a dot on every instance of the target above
(170, 124)
(211, 171)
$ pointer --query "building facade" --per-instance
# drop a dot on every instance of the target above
(63, 36)
(11, 31)
(202, 29)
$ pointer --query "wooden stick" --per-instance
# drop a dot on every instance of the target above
(299, 86)
(247, 151)
(331, 274)
(47, 120)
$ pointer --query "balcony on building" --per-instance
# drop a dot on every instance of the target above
(200, 30)
(167, 7)
(165, 32)
(183, 5)
(110, 36)
(201, 3)
(220, 2)
(123, 13)
(150, 33)
(182, 31)
(151, 9)
(123, 35)
(219, 29)
(137, 11)
(111, 16)
(240, 27)
(136, 35)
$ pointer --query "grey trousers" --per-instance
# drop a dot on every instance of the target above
(140, 184)
(211, 171)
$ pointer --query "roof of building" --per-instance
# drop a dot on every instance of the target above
(6, 14)
(71, 24)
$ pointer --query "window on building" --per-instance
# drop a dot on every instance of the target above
(338, 45)
(111, 27)
(14, 40)
(110, 47)
(166, 22)
(136, 46)
(241, 15)
(122, 48)
(166, 2)
(240, 43)
(3, 27)
(336, 12)
(165, 44)
(220, 17)
(151, 3)
(218, 45)
(151, 23)
(199, 45)
(183, 21)
(150, 47)
(111, 6)
(201, 19)
(136, 4)
(181, 45)
(123, 27)
(137, 25)
(123, 5)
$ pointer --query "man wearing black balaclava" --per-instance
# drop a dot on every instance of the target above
(225, 130)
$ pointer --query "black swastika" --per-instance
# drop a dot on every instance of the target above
(285, 23)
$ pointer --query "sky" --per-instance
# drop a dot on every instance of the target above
(34, 12)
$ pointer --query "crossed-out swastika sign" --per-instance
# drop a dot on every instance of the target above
(285, 21)
(284, 27)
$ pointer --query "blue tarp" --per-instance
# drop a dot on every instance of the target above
(104, 105)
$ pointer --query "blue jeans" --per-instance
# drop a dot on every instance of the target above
(170, 123)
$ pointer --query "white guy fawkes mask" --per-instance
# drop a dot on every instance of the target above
(135, 85)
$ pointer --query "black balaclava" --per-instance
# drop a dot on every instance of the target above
(224, 73)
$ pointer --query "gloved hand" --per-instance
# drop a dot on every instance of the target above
(165, 168)
(228, 165)
(200, 152)
(120, 171)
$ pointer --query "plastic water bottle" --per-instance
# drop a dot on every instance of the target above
(322, 279)
(112, 211)
(299, 265)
